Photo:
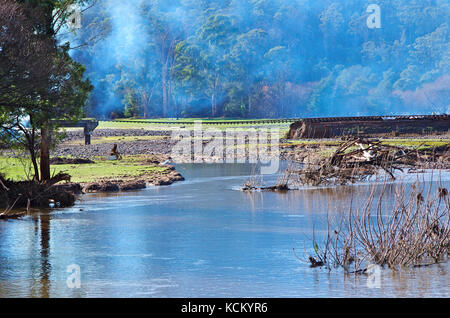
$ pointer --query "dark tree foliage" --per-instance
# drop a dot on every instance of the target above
(39, 81)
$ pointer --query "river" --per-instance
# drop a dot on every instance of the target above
(198, 238)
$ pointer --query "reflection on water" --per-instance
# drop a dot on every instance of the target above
(198, 238)
(44, 226)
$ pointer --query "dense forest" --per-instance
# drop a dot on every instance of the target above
(264, 58)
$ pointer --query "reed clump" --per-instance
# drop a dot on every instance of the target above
(256, 184)
(414, 233)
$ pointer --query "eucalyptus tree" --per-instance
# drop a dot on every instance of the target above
(39, 81)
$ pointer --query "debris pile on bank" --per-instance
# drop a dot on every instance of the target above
(33, 194)
(350, 165)
(356, 160)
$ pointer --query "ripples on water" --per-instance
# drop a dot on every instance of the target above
(198, 238)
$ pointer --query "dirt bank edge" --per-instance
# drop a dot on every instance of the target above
(132, 184)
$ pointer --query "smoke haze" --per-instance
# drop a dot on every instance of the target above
(266, 58)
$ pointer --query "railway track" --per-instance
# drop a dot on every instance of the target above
(206, 122)
(292, 120)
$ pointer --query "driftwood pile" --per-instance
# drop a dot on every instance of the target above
(33, 194)
(358, 159)
(349, 165)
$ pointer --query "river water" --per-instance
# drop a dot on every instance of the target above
(197, 238)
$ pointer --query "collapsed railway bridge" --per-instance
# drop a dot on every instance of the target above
(332, 127)
(88, 126)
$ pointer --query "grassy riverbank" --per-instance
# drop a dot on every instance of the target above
(130, 167)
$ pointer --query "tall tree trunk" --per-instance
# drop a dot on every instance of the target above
(144, 99)
(164, 88)
(147, 112)
(213, 105)
(35, 165)
(30, 140)
(213, 97)
(30, 137)
(45, 154)
(249, 113)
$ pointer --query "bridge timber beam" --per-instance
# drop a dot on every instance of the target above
(88, 127)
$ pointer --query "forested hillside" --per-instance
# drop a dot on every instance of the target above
(265, 58)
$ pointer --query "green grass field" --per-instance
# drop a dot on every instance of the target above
(151, 124)
(191, 120)
(129, 167)
(417, 143)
